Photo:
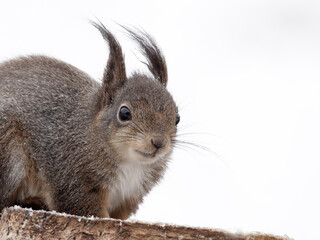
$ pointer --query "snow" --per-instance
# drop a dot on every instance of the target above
(30, 211)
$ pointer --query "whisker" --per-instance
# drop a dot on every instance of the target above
(187, 149)
(192, 144)
(183, 148)
(121, 141)
(127, 137)
(129, 134)
(124, 139)
(195, 134)
(182, 128)
(138, 128)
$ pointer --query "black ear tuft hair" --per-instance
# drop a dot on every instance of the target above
(155, 60)
(114, 75)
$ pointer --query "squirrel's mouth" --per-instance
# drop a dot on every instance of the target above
(146, 154)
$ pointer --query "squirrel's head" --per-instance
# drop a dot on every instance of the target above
(137, 114)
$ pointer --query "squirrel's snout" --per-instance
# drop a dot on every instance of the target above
(159, 142)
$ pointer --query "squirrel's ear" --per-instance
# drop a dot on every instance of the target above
(114, 75)
(156, 62)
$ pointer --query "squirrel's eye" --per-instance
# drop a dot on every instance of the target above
(177, 119)
(124, 114)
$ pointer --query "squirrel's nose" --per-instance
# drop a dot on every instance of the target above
(159, 142)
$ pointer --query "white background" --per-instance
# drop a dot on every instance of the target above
(246, 75)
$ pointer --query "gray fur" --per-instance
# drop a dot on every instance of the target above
(61, 141)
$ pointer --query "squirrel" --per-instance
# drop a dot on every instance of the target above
(71, 144)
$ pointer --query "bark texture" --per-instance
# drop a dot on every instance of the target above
(20, 223)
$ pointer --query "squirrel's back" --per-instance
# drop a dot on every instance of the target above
(44, 80)
(43, 92)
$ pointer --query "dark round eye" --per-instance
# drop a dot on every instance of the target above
(125, 114)
(177, 119)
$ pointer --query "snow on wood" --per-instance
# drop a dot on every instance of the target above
(20, 223)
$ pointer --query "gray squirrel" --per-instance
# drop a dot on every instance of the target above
(71, 144)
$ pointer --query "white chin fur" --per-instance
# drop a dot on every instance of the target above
(132, 172)
(129, 182)
(132, 156)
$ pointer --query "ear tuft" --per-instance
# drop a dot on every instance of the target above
(114, 75)
(155, 60)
